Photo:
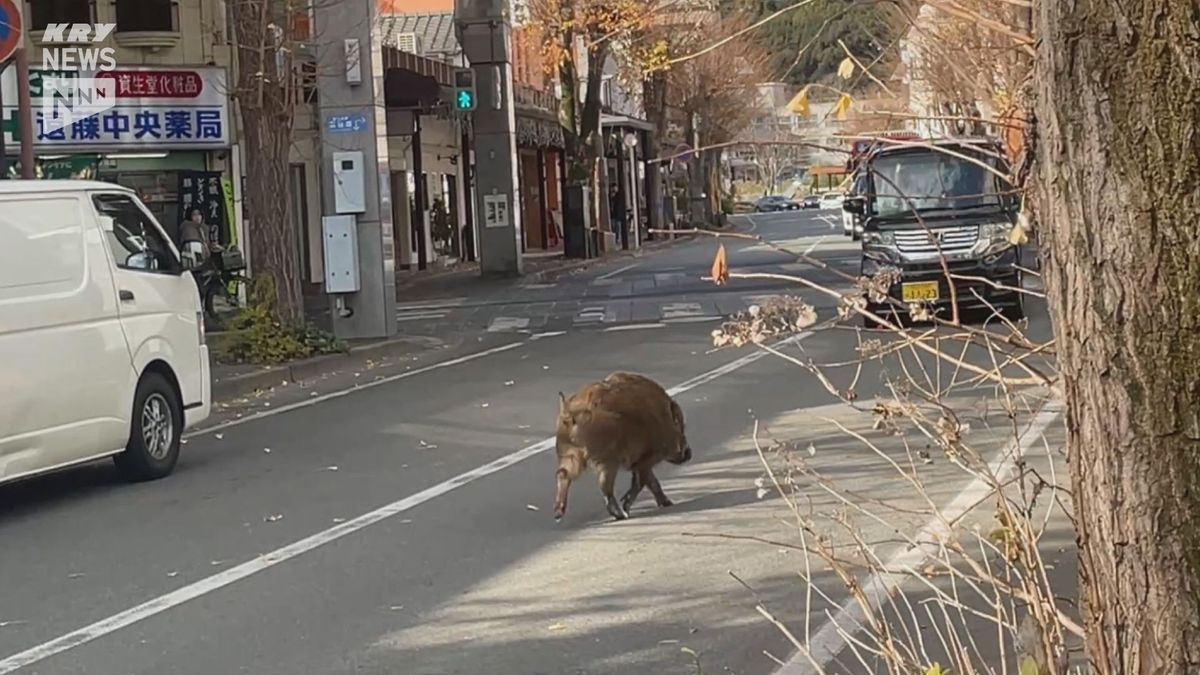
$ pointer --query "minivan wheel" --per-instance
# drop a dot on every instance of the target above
(155, 431)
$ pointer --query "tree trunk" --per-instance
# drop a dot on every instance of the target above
(273, 244)
(1118, 121)
(654, 96)
(266, 95)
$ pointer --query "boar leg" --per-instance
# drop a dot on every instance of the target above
(635, 489)
(608, 480)
(560, 496)
(651, 482)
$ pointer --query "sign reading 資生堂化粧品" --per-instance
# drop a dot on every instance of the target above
(163, 108)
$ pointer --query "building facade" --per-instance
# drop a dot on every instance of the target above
(171, 135)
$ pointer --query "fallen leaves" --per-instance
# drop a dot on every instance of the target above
(778, 317)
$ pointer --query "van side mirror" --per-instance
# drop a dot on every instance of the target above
(140, 261)
(856, 205)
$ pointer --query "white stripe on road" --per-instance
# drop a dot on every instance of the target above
(416, 316)
(266, 561)
(850, 617)
(633, 326)
(617, 271)
(694, 319)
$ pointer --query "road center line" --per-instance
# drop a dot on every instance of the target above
(828, 642)
(266, 561)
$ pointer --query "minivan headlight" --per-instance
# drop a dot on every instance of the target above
(881, 239)
(993, 237)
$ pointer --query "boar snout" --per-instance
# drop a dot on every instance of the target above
(683, 456)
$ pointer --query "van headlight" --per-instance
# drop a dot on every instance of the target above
(993, 237)
(880, 239)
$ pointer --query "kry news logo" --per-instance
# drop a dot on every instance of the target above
(71, 50)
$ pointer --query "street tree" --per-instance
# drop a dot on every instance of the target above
(1118, 186)
(267, 38)
(717, 95)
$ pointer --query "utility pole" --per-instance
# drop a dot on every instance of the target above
(484, 29)
(24, 112)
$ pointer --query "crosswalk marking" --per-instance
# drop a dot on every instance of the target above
(678, 310)
(507, 324)
(589, 315)
(420, 315)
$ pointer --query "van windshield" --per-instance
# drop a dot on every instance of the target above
(924, 181)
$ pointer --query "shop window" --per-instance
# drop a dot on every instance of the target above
(146, 16)
(45, 12)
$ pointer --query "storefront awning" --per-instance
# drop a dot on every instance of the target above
(625, 121)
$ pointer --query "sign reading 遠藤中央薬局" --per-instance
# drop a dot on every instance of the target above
(163, 108)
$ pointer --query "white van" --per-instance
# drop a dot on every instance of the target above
(102, 348)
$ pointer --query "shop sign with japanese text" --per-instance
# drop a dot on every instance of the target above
(159, 108)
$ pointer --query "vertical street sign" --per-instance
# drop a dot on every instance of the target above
(10, 29)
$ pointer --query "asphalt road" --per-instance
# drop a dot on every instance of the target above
(398, 521)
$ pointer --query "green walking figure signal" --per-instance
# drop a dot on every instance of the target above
(464, 90)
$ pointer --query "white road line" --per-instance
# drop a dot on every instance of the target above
(675, 310)
(365, 385)
(416, 316)
(617, 271)
(448, 303)
(266, 561)
(693, 319)
(633, 326)
(503, 324)
(827, 643)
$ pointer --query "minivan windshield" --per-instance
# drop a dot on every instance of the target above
(933, 180)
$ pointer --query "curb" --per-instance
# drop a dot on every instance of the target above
(309, 369)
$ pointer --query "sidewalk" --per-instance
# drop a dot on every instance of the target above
(233, 380)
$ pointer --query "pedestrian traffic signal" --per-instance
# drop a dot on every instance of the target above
(464, 90)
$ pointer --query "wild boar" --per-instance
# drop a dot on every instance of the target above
(624, 421)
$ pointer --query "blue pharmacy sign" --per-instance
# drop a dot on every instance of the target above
(346, 124)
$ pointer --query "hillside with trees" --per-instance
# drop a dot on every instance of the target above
(804, 42)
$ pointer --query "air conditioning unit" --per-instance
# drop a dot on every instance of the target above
(409, 42)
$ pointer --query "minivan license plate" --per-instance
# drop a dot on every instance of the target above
(920, 291)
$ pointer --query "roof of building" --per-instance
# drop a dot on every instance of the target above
(435, 31)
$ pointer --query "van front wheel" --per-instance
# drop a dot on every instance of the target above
(155, 431)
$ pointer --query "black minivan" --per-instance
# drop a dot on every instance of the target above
(946, 204)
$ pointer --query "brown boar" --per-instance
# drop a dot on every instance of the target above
(624, 421)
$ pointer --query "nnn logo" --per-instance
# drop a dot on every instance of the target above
(71, 50)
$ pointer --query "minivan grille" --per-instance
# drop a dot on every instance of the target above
(952, 239)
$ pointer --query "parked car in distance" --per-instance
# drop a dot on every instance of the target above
(811, 202)
(101, 332)
(772, 203)
(832, 200)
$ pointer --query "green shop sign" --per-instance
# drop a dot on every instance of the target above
(76, 167)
